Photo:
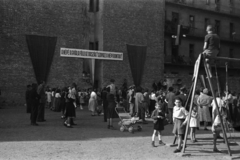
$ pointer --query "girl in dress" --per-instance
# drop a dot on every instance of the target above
(193, 124)
(81, 100)
(158, 117)
(49, 97)
(57, 101)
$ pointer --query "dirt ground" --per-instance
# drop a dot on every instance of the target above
(90, 139)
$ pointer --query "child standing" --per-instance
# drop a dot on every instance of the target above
(193, 124)
(49, 96)
(158, 117)
(179, 119)
(216, 126)
(81, 100)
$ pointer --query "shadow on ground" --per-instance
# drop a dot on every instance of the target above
(15, 126)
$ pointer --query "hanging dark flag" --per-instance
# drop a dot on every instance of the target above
(41, 49)
(137, 57)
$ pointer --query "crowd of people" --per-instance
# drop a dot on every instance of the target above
(163, 106)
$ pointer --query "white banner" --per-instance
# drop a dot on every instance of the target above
(83, 53)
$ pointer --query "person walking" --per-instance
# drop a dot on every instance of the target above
(158, 117)
(28, 98)
(92, 105)
(170, 103)
(204, 101)
(34, 104)
(111, 108)
(42, 100)
(139, 105)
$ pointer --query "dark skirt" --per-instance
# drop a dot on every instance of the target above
(70, 109)
(178, 129)
(110, 112)
(159, 125)
(152, 106)
(28, 106)
(57, 104)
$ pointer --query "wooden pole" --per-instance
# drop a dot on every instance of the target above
(214, 98)
(196, 74)
(190, 92)
(224, 59)
(218, 85)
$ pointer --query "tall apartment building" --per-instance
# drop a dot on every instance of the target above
(44, 27)
(194, 16)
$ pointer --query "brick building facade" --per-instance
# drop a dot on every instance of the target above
(195, 15)
(113, 25)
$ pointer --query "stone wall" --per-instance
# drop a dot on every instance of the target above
(138, 22)
(66, 20)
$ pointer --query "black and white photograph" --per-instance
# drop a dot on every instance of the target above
(119, 79)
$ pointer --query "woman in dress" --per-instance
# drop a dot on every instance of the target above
(57, 101)
(92, 105)
(204, 101)
(70, 107)
(111, 109)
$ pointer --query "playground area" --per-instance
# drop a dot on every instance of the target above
(90, 139)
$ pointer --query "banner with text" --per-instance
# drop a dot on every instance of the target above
(83, 53)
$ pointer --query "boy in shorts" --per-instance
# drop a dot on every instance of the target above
(180, 120)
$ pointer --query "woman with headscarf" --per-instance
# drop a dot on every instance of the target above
(204, 101)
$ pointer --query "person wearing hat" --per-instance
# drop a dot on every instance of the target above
(204, 101)
(211, 46)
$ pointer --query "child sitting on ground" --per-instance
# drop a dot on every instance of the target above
(158, 117)
(180, 120)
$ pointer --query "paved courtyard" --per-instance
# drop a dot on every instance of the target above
(90, 139)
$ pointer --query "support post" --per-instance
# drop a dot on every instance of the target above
(196, 74)
(215, 101)
(189, 94)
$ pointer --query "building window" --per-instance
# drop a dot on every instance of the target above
(231, 6)
(206, 23)
(191, 53)
(165, 49)
(207, 2)
(93, 45)
(231, 53)
(231, 31)
(217, 2)
(217, 26)
(175, 18)
(191, 21)
(97, 5)
(93, 5)
(174, 54)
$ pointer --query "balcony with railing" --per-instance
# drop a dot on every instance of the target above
(179, 60)
(226, 8)
(190, 61)
(171, 29)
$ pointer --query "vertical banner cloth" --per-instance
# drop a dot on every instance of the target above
(137, 57)
(41, 49)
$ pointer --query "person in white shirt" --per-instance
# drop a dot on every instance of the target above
(49, 97)
(228, 99)
(180, 119)
(216, 126)
(92, 105)
(152, 98)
